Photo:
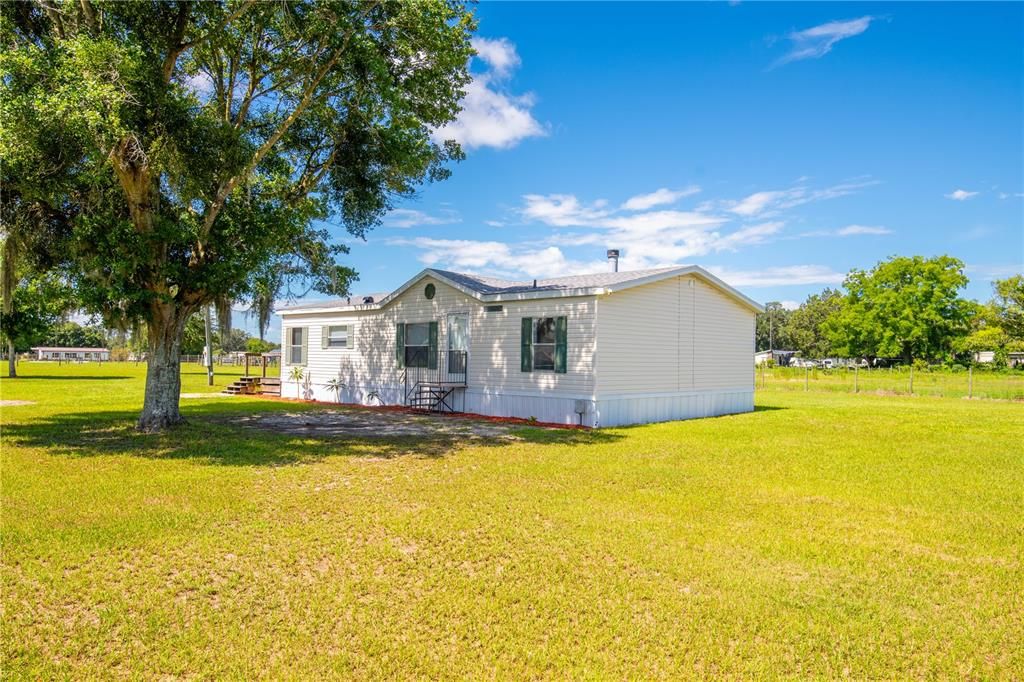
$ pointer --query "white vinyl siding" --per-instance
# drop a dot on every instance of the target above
(676, 335)
(494, 342)
(723, 341)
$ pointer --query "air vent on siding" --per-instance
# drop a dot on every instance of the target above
(494, 308)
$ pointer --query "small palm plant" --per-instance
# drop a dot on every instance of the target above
(297, 375)
(336, 385)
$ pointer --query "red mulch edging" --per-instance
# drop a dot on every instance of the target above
(409, 410)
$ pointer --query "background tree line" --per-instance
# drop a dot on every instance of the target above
(905, 309)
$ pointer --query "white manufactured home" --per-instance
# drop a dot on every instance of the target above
(70, 353)
(606, 349)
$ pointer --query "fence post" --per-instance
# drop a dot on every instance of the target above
(970, 382)
(807, 374)
(856, 375)
(911, 380)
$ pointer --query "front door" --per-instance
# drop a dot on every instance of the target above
(458, 343)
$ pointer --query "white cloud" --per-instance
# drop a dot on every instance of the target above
(654, 222)
(494, 223)
(1007, 195)
(491, 116)
(405, 218)
(498, 258)
(780, 276)
(993, 271)
(862, 229)
(757, 202)
(789, 305)
(561, 210)
(961, 195)
(817, 41)
(648, 236)
(848, 231)
(498, 53)
(771, 202)
(659, 197)
(748, 236)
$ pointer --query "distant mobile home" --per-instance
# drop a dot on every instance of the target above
(606, 349)
(70, 353)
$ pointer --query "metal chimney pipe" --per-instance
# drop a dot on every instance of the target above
(613, 259)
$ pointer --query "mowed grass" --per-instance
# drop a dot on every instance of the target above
(823, 535)
(944, 383)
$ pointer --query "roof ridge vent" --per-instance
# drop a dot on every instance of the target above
(367, 300)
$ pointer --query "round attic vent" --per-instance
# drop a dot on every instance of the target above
(429, 291)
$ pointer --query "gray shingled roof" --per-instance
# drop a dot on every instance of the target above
(336, 302)
(492, 285)
(480, 286)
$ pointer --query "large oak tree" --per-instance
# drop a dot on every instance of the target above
(186, 149)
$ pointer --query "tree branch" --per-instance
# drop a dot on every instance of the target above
(176, 48)
(242, 9)
(227, 187)
(90, 16)
(54, 15)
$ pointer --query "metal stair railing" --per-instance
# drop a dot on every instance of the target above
(429, 379)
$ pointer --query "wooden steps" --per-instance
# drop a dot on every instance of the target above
(254, 385)
(270, 386)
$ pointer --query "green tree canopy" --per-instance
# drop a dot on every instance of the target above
(906, 307)
(193, 339)
(37, 303)
(1008, 306)
(770, 328)
(805, 326)
(178, 150)
(254, 345)
(72, 334)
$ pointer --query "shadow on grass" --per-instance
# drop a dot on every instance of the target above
(209, 436)
(541, 436)
(768, 408)
(63, 377)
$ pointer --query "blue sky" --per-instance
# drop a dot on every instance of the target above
(779, 145)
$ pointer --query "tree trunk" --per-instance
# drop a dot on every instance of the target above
(12, 367)
(163, 369)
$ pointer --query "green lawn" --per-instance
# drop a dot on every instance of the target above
(826, 534)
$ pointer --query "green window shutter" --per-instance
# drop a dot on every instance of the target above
(305, 345)
(325, 333)
(400, 344)
(432, 345)
(526, 345)
(561, 344)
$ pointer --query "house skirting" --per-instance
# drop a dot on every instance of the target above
(619, 410)
(662, 407)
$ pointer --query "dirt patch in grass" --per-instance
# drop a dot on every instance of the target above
(12, 403)
(358, 423)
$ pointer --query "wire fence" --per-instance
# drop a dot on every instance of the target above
(963, 383)
(227, 360)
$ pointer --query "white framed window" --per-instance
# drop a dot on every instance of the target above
(297, 346)
(336, 336)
